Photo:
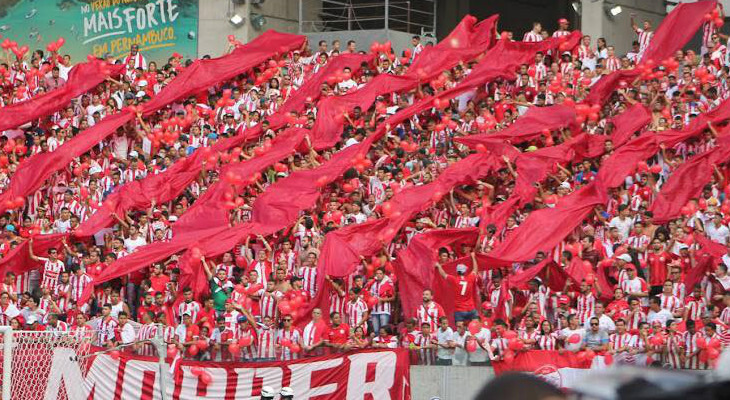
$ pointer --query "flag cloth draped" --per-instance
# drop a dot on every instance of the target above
(205, 225)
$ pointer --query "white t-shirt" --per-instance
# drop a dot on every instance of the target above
(605, 323)
(718, 234)
(460, 354)
(567, 333)
(443, 338)
(480, 355)
(131, 244)
(623, 226)
(661, 315)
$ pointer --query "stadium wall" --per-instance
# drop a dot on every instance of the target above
(448, 382)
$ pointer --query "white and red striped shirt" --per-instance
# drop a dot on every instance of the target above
(266, 344)
(51, 271)
(337, 302)
(106, 328)
(78, 284)
(672, 353)
(309, 279)
(695, 307)
(613, 63)
(268, 303)
(293, 336)
(430, 314)
(620, 340)
(644, 39)
(670, 303)
(532, 36)
(356, 312)
(547, 342)
(585, 304)
(634, 319)
(375, 290)
(147, 332)
(193, 308)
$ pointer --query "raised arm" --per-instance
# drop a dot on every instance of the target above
(441, 271)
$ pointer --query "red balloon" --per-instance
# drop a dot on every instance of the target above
(193, 350)
(295, 348)
(171, 351)
(202, 344)
(475, 327)
(515, 344)
(471, 346)
(510, 335)
(206, 378)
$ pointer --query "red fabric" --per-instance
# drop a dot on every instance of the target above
(685, 182)
(534, 360)
(281, 203)
(414, 266)
(202, 74)
(628, 122)
(169, 184)
(18, 259)
(673, 33)
(526, 127)
(540, 233)
(82, 78)
(676, 29)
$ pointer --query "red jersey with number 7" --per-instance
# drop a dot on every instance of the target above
(463, 286)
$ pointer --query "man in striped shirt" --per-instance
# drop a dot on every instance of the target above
(535, 35)
(645, 34)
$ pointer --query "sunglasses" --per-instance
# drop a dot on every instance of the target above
(594, 324)
(287, 319)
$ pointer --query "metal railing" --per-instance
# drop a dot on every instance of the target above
(416, 16)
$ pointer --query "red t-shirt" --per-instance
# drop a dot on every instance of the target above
(339, 334)
(463, 286)
(159, 283)
(657, 267)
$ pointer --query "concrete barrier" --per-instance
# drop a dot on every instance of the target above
(448, 383)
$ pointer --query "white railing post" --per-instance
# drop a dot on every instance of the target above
(7, 360)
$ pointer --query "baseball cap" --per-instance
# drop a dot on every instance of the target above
(461, 268)
(133, 154)
(141, 93)
(10, 228)
(286, 391)
(487, 305)
(565, 185)
(562, 21)
(242, 319)
(563, 299)
(624, 257)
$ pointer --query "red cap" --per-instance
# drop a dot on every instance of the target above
(562, 21)
(487, 305)
(563, 299)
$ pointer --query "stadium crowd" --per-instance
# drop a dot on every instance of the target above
(257, 289)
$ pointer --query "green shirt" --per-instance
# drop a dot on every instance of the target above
(219, 296)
